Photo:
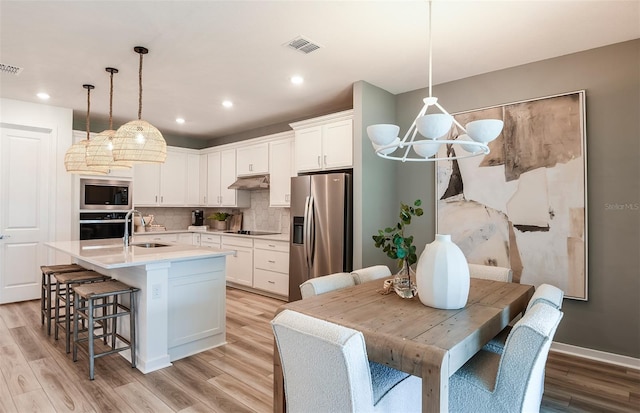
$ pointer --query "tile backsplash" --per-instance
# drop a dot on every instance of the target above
(259, 216)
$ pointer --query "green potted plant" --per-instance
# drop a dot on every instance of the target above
(396, 245)
(219, 220)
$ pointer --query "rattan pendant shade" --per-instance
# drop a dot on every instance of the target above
(75, 159)
(139, 141)
(100, 147)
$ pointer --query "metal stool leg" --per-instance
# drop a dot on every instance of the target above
(132, 327)
(91, 344)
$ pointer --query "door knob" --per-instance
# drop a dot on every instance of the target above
(4, 236)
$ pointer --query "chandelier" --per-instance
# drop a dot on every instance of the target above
(75, 159)
(139, 141)
(100, 148)
(434, 127)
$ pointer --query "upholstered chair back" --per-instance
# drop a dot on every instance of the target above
(326, 283)
(375, 272)
(488, 272)
(519, 382)
(547, 294)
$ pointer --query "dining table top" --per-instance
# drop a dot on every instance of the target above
(424, 341)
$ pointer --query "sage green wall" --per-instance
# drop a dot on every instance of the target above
(610, 320)
(375, 201)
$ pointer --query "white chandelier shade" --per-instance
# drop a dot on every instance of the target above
(473, 137)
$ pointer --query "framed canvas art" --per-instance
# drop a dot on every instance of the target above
(523, 205)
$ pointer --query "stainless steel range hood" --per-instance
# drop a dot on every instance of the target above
(251, 183)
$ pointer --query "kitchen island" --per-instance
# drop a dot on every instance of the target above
(181, 303)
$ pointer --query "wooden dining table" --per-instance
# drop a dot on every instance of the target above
(407, 335)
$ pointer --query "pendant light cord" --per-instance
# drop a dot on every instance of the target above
(88, 87)
(140, 89)
(111, 100)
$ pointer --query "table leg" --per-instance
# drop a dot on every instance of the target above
(435, 384)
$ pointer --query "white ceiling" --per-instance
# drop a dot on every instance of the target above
(202, 52)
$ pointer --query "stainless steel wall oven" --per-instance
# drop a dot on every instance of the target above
(101, 225)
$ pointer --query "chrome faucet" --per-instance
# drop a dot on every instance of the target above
(126, 227)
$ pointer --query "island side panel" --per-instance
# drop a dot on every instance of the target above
(197, 295)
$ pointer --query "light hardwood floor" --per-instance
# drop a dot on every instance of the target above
(37, 375)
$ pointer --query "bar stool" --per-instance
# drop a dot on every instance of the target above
(86, 298)
(47, 286)
(67, 281)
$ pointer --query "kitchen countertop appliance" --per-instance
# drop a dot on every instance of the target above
(321, 228)
(197, 217)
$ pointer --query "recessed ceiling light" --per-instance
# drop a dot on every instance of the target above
(297, 80)
(227, 103)
(180, 120)
(43, 96)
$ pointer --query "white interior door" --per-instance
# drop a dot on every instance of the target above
(24, 204)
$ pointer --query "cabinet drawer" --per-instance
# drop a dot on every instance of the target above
(271, 281)
(173, 238)
(208, 238)
(271, 260)
(237, 241)
(271, 245)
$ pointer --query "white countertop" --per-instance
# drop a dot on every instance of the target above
(273, 237)
(110, 253)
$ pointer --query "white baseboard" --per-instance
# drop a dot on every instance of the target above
(597, 355)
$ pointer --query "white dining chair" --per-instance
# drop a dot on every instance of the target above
(513, 381)
(326, 283)
(488, 272)
(374, 272)
(546, 294)
(326, 369)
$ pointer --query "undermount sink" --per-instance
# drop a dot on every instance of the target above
(149, 245)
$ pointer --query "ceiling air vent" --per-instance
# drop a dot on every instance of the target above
(303, 45)
(13, 70)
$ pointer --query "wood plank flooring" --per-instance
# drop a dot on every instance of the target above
(38, 376)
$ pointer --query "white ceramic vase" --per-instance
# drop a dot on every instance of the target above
(442, 275)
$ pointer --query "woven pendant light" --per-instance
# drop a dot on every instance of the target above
(75, 160)
(139, 141)
(100, 147)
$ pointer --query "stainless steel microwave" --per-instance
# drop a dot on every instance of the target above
(105, 194)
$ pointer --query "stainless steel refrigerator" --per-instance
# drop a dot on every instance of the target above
(321, 228)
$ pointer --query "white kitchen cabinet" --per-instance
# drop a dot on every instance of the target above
(157, 237)
(221, 172)
(240, 264)
(280, 171)
(186, 238)
(204, 180)
(324, 143)
(166, 184)
(253, 159)
(271, 266)
(193, 179)
(210, 240)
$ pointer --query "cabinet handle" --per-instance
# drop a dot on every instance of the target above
(271, 282)
(251, 167)
(162, 199)
(319, 164)
(325, 160)
(156, 199)
(271, 261)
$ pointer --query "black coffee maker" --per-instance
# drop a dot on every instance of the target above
(197, 217)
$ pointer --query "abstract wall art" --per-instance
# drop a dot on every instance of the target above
(523, 205)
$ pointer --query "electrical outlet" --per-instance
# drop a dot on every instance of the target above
(155, 291)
